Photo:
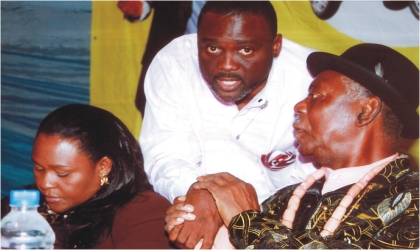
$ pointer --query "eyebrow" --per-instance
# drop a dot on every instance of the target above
(58, 165)
(237, 41)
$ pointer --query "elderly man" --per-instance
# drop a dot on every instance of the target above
(222, 100)
(363, 195)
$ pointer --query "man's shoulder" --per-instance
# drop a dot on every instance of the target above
(181, 46)
(400, 175)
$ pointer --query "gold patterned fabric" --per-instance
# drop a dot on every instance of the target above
(384, 215)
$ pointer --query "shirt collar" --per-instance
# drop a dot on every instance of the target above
(335, 179)
(261, 99)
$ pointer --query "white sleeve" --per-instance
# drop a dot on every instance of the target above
(168, 139)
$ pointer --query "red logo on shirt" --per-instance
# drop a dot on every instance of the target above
(277, 160)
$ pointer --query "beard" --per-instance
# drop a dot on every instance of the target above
(236, 98)
(244, 92)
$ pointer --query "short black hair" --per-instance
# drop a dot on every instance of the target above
(262, 8)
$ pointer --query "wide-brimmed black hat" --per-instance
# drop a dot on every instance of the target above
(382, 70)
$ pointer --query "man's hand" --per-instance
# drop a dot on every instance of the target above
(205, 226)
(132, 9)
(231, 194)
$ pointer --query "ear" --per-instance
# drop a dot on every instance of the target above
(369, 111)
(104, 165)
(277, 45)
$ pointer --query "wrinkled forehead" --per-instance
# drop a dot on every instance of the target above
(337, 83)
(328, 78)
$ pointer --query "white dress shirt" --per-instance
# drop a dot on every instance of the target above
(187, 132)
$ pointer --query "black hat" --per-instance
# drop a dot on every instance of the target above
(382, 70)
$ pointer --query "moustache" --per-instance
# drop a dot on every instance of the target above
(227, 75)
(297, 120)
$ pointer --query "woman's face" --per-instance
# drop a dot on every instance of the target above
(64, 175)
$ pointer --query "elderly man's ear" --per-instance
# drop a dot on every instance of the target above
(370, 108)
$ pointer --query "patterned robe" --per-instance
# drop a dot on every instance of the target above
(384, 215)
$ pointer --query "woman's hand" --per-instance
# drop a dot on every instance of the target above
(178, 213)
(203, 229)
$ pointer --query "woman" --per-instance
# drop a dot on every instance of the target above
(89, 170)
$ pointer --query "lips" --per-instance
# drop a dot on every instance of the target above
(296, 125)
(51, 199)
(228, 84)
(297, 129)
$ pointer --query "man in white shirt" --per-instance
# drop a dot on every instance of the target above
(222, 100)
(364, 195)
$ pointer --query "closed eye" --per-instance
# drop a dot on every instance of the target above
(38, 169)
(62, 175)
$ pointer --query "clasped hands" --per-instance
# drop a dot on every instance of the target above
(210, 203)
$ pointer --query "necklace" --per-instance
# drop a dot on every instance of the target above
(338, 214)
(51, 216)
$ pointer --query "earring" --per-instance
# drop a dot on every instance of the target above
(104, 179)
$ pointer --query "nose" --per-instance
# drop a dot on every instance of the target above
(45, 181)
(300, 107)
(228, 62)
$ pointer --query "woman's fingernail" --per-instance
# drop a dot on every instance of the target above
(191, 216)
(180, 219)
(188, 208)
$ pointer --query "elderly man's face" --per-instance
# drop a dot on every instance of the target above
(326, 119)
(235, 54)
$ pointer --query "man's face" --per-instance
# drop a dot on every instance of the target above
(326, 118)
(235, 54)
